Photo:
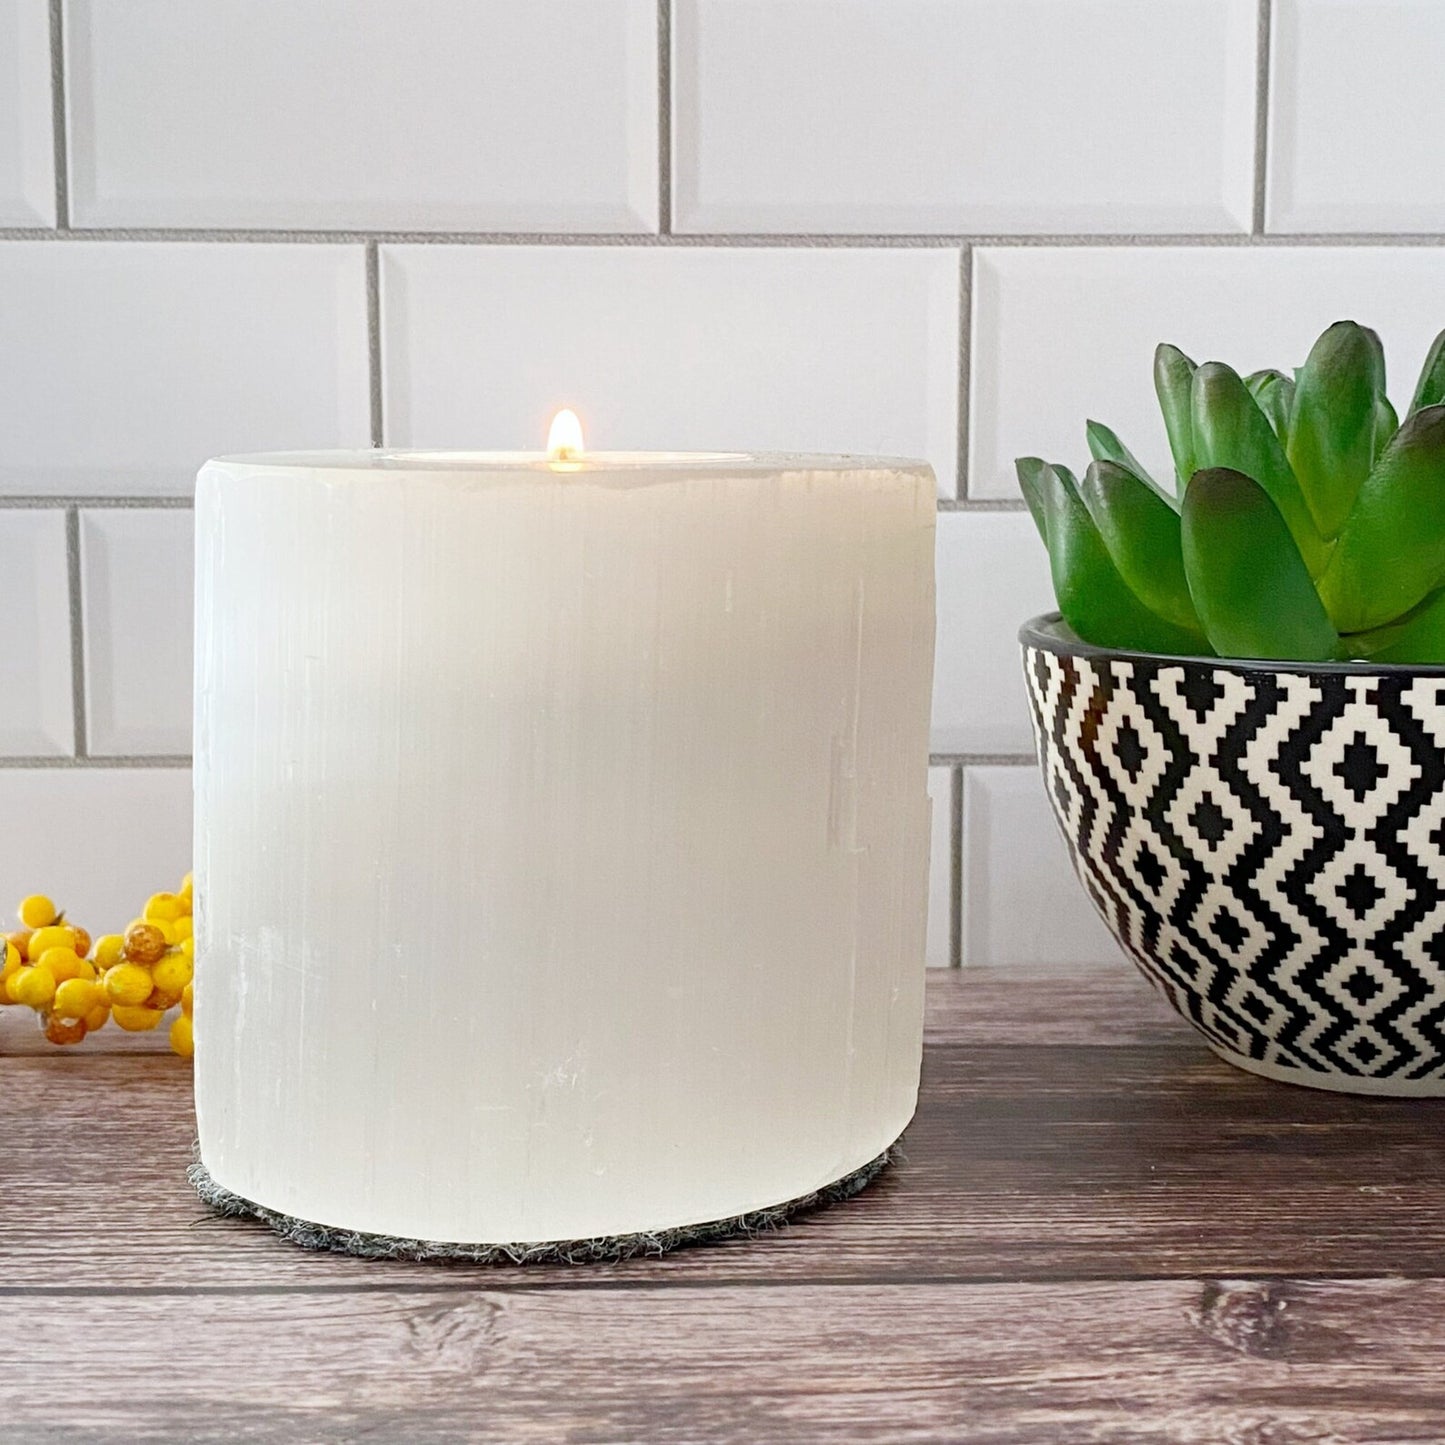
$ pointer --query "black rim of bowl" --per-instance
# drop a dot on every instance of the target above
(1049, 633)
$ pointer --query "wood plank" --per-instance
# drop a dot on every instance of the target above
(1103, 1006)
(1180, 1361)
(1026, 1163)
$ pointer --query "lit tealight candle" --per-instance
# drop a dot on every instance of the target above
(561, 832)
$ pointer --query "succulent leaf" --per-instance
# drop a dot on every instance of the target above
(1230, 431)
(1332, 423)
(1173, 382)
(1386, 425)
(1391, 550)
(1028, 470)
(1105, 446)
(1141, 531)
(1093, 598)
(1430, 390)
(1273, 394)
(1418, 637)
(1250, 585)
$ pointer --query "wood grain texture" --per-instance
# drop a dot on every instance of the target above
(1181, 1361)
(1051, 1261)
(1024, 1162)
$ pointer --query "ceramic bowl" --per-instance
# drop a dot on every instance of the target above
(1265, 841)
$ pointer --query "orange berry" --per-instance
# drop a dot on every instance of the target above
(128, 983)
(21, 939)
(64, 1031)
(76, 997)
(82, 940)
(162, 999)
(36, 911)
(144, 943)
(135, 1020)
(182, 1039)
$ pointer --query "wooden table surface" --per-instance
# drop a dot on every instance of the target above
(1098, 1233)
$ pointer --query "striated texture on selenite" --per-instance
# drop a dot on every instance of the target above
(561, 835)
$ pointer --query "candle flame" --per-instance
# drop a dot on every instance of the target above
(564, 437)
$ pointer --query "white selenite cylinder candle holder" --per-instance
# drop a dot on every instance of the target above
(561, 835)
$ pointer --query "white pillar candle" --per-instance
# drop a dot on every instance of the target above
(561, 834)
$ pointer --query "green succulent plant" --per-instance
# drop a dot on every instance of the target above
(1304, 520)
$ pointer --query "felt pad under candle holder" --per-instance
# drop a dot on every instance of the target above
(562, 838)
(605, 1250)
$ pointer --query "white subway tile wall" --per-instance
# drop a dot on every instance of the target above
(1354, 130)
(940, 116)
(125, 364)
(484, 117)
(708, 350)
(35, 650)
(135, 581)
(951, 228)
(27, 145)
(1022, 907)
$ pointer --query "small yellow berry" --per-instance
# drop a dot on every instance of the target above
(162, 908)
(135, 1020)
(188, 999)
(12, 960)
(82, 939)
(144, 943)
(76, 997)
(188, 947)
(182, 1040)
(167, 927)
(32, 986)
(21, 939)
(183, 927)
(62, 962)
(188, 887)
(56, 936)
(37, 911)
(128, 983)
(108, 950)
(172, 973)
(64, 1031)
(97, 1018)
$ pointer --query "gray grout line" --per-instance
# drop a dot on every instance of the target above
(58, 123)
(965, 334)
(115, 760)
(742, 240)
(981, 504)
(955, 871)
(1261, 116)
(373, 340)
(77, 630)
(139, 503)
(664, 116)
(981, 760)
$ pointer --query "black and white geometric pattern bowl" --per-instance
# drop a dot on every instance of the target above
(1267, 842)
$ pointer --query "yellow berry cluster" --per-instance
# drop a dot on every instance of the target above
(133, 978)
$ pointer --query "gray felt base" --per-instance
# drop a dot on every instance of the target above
(572, 1251)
